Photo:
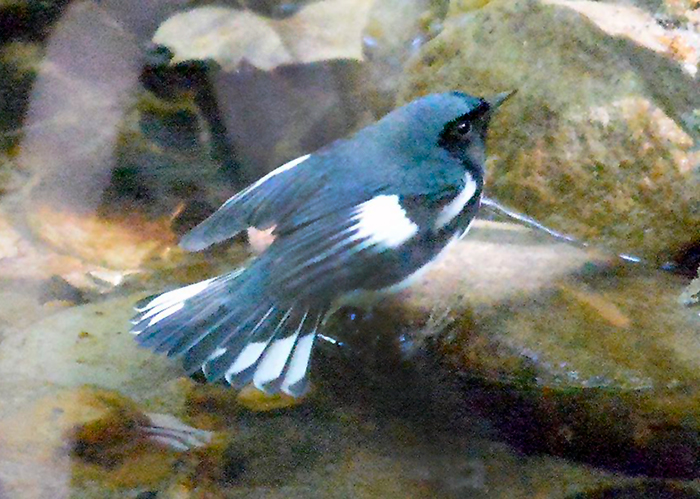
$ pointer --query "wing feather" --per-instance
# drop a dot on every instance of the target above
(260, 205)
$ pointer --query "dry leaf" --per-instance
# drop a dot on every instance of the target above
(330, 29)
(121, 245)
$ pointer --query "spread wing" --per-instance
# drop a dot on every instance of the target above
(316, 189)
(260, 205)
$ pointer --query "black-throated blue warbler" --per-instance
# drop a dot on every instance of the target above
(361, 215)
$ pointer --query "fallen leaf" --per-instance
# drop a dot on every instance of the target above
(330, 29)
(124, 244)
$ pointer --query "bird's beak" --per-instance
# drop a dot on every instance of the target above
(496, 100)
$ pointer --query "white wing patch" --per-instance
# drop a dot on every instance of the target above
(454, 207)
(383, 221)
(378, 223)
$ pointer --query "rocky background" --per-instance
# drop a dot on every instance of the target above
(520, 366)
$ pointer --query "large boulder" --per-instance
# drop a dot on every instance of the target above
(600, 141)
(564, 351)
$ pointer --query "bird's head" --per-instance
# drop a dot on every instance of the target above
(452, 123)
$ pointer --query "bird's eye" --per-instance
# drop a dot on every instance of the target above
(464, 127)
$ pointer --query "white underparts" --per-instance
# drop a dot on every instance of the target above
(455, 207)
(364, 298)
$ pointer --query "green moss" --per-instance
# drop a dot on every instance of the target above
(110, 439)
(18, 66)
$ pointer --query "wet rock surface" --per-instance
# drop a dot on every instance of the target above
(596, 363)
(39, 439)
(414, 389)
(85, 344)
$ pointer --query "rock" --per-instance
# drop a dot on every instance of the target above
(39, 439)
(255, 400)
(594, 329)
(390, 40)
(67, 166)
(552, 369)
(565, 353)
(84, 344)
(642, 28)
(24, 19)
(650, 490)
(496, 262)
(599, 141)
(691, 296)
(683, 10)
(124, 244)
(18, 67)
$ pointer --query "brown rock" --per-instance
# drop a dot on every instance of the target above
(39, 439)
(599, 140)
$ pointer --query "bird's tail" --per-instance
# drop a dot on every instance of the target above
(230, 328)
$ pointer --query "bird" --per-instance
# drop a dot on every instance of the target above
(362, 216)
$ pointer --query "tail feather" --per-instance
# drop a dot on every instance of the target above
(231, 329)
(272, 364)
(210, 346)
(241, 370)
(294, 381)
(166, 312)
(239, 344)
(212, 321)
(165, 334)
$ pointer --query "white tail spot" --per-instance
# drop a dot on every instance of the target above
(272, 364)
(299, 363)
(176, 295)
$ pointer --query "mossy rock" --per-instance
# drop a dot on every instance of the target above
(691, 296)
(590, 360)
(601, 368)
(599, 141)
(83, 344)
(18, 66)
(29, 19)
